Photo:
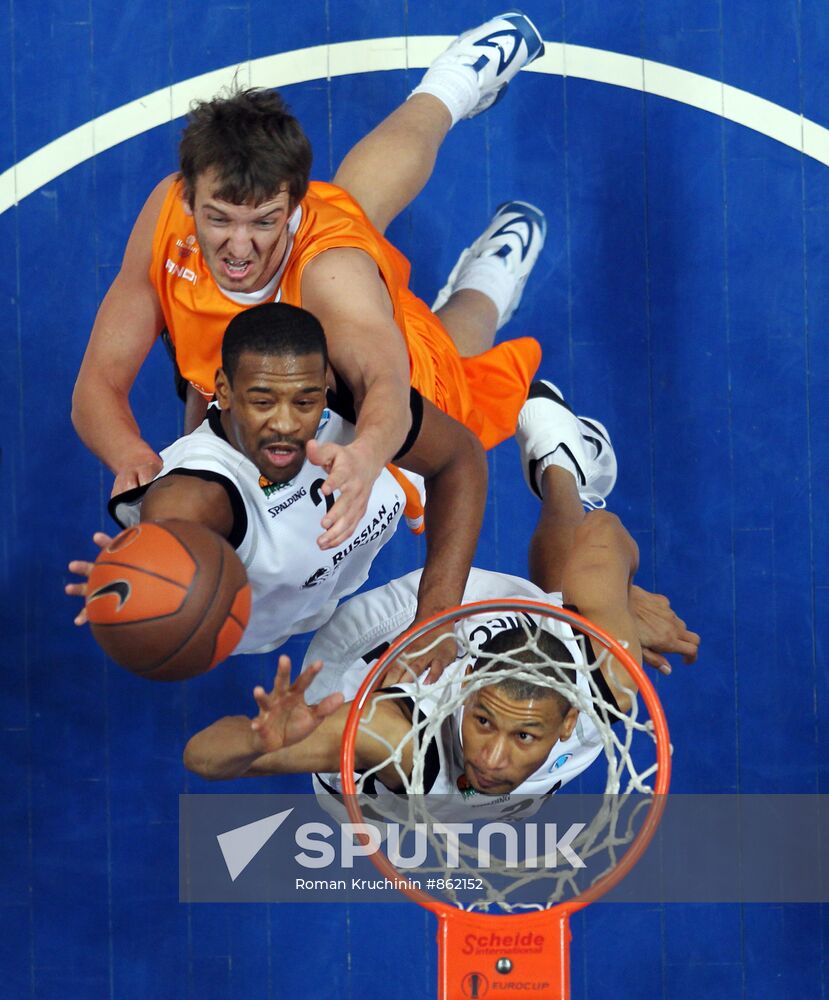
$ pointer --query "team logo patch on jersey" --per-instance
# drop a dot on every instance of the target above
(317, 577)
(466, 790)
(560, 761)
(269, 488)
(288, 502)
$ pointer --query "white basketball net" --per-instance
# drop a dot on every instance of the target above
(620, 810)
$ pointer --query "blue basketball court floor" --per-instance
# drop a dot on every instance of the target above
(680, 154)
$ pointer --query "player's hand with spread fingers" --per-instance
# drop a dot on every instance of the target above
(284, 717)
(352, 470)
(430, 655)
(81, 567)
(661, 630)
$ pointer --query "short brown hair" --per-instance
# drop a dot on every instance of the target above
(252, 142)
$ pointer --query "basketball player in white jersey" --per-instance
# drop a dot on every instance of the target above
(506, 739)
(244, 474)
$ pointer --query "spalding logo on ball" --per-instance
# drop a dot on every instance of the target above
(168, 600)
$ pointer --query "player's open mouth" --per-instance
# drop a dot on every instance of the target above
(236, 268)
(281, 455)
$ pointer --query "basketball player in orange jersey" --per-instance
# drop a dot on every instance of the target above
(240, 225)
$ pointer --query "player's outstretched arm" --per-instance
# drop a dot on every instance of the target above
(182, 498)
(126, 325)
(343, 289)
(189, 498)
(597, 579)
(288, 736)
(453, 462)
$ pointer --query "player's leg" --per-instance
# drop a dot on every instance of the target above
(486, 284)
(387, 169)
(569, 463)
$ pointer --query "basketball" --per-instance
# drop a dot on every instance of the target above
(168, 600)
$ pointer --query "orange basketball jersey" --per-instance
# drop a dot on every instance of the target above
(484, 392)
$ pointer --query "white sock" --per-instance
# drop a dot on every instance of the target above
(455, 86)
(562, 460)
(490, 276)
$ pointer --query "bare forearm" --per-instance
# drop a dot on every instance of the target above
(223, 751)
(230, 748)
(455, 502)
(104, 422)
(383, 419)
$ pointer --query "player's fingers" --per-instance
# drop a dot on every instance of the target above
(396, 674)
(329, 704)
(656, 660)
(101, 539)
(321, 454)
(81, 567)
(282, 681)
(260, 696)
(81, 618)
(302, 683)
(338, 531)
(434, 672)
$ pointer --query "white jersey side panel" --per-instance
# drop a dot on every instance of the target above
(295, 585)
(351, 642)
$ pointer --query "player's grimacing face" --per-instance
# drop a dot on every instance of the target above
(505, 741)
(243, 245)
(272, 409)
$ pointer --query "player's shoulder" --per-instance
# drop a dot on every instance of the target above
(486, 584)
(206, 446)
(157, 197)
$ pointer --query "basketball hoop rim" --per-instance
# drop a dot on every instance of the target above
(618, 651)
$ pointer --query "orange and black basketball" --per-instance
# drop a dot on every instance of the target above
(168, 600)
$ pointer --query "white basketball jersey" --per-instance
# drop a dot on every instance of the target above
(295, 585)
(362, 628)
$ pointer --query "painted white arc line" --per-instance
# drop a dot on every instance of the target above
(371, 55)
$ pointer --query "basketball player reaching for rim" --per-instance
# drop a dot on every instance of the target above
(244, 474)
(506, 738)
(240, 225)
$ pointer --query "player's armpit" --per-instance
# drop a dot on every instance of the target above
(189, 498)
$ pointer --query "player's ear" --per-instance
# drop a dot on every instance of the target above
(222, 389)
(187, 200)
(569, 723)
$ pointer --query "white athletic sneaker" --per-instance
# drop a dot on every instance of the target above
(473, 73)
(546, 423)
(499, 262)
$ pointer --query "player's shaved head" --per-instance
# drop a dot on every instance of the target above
(545, 654)
(273, 328)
